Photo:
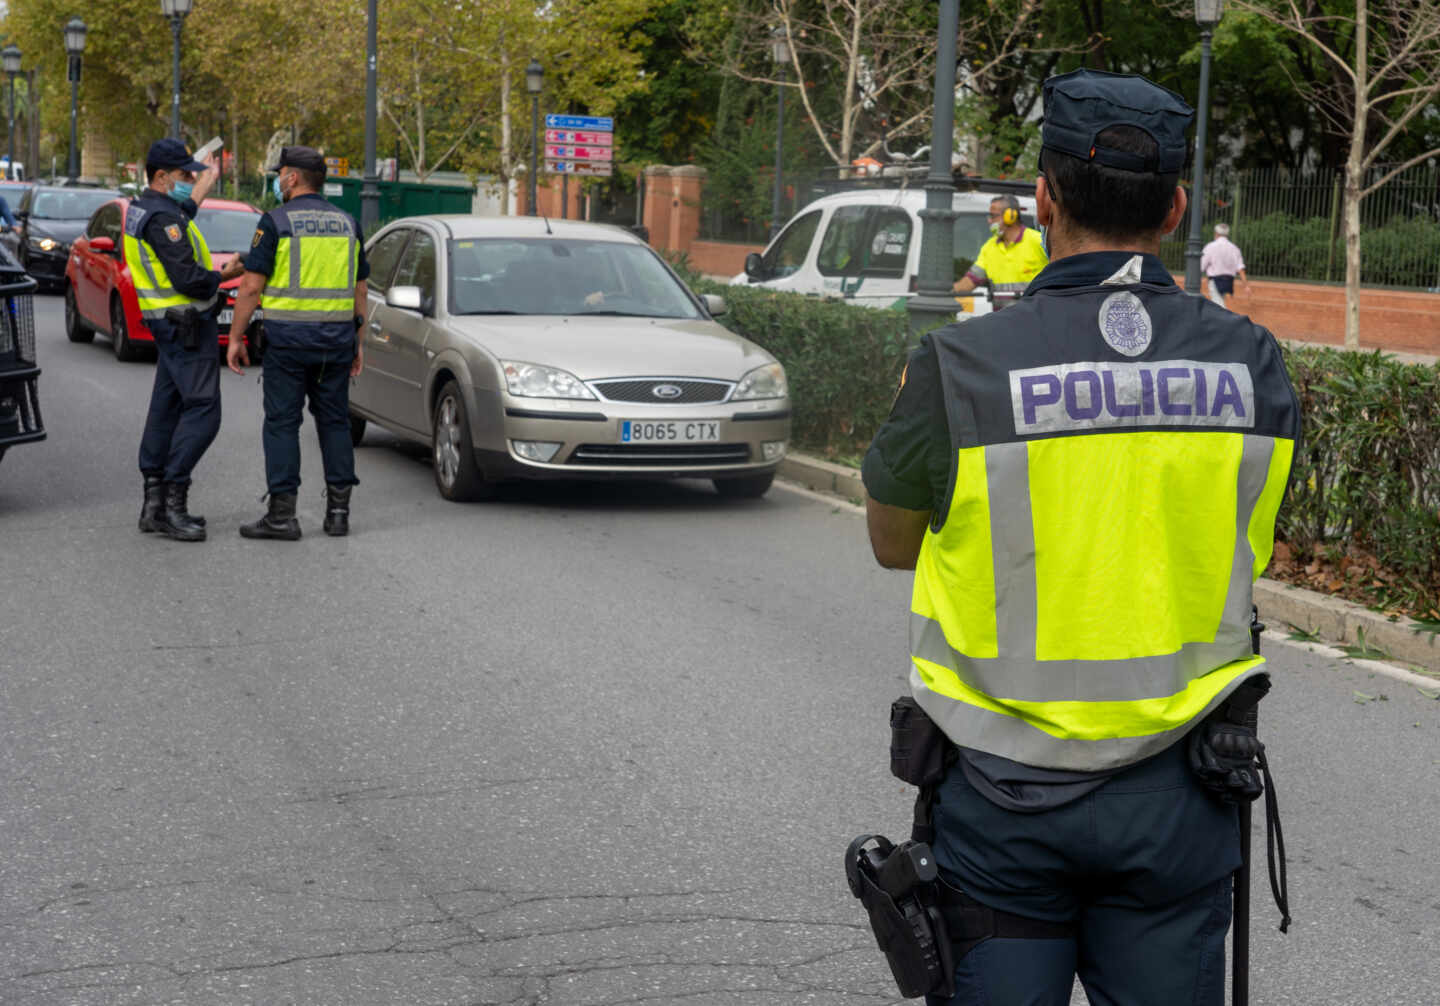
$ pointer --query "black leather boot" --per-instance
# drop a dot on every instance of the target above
(337, 510)
(153, 505)
(279, 521)
(175, 520)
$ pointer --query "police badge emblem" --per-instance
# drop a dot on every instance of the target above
(172, 232)
(1125, 323)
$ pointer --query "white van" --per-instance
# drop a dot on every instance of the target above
(864, 246)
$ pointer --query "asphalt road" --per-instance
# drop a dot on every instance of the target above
(583, 745)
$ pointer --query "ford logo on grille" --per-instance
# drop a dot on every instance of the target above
(667, 391)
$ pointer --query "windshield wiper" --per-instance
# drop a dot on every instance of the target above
(622, 314)
(489, 312)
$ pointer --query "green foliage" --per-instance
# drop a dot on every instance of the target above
(1368, 473)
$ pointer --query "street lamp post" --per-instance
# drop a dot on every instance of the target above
(370, 189)
(1207, 16)
(175, 10)
(780, 54)
(534, 81)
(75, 48)
(10, 60)
(934, 301)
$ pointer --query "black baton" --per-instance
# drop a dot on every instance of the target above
(1240, 931)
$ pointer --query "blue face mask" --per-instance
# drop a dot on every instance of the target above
(181, 191)
(275, 187)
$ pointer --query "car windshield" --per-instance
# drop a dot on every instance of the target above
(563, 276)
(12, 192)
(227, 230)
(74, 205)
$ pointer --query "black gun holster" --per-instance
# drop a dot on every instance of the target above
(186, 322)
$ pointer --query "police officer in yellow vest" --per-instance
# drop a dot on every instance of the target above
(307, 269)
(1086, 487)
(174, 282)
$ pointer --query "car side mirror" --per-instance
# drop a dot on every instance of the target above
(755, 268)
(715, 304)
(106, 246)
(407, 298)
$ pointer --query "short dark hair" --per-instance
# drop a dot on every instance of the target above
(310, 179)
(151, 170)
(1105, 200)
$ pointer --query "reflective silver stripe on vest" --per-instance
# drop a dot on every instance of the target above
(309, 293)
(314, 293)
(1017, 740)
(1016, 674)
(278, 314)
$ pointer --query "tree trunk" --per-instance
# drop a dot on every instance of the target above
(505, 136)
(1354, 182)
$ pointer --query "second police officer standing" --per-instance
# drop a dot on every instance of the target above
(1086, 487)
(176, 290)
(306, 267)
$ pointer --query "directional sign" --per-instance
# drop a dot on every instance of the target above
(580, 153)
(603, 169)
(590, 137)
(604, 124)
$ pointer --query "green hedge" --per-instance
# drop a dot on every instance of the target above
(1403, 252)
(1366, 478)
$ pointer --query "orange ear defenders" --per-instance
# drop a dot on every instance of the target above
(1010, 217)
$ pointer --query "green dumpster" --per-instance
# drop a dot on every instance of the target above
(400, 199)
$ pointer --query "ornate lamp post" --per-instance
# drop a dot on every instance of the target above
(934, 302)
(534, 81)
(370, 189)
(175, 10)
(780, 54)
(75, 48)
(1207, 16)
(10, 60)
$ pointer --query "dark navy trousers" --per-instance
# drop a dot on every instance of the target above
(184, 414)
(1141, 866)
(291, 376)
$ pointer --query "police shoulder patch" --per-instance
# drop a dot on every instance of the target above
(255, 241)
(172, 231)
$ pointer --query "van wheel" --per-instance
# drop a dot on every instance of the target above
(747, 487)
(75, 328)
(125, 350)
(457, 476)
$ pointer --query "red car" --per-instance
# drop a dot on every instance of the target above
(100, 295)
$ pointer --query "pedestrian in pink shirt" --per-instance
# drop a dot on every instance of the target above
(1221, 262)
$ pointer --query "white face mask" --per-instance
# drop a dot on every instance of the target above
(995, 228)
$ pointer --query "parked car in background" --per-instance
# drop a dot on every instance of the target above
(14, 192)
(100, 294)
(863, 246)
(51, 217)
(516, 347)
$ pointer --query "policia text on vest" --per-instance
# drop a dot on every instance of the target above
(1086, 486)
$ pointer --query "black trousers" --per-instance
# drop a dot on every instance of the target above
(293, 375)
(1142, 867)
(184, 414)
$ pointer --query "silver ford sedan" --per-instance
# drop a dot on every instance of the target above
(517, 347)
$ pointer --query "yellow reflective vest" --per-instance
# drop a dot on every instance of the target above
(315, 264)
(153, 288)
(1119, 457)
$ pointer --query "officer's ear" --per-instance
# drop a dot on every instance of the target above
(1177, 211)
(1044, 205)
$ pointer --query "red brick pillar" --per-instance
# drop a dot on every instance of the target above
(657, 205)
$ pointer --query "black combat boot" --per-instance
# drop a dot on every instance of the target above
(175, 520)
(154, 503)
(337, 510)
(279, 521)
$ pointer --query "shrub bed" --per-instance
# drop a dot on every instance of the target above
(1362, 517)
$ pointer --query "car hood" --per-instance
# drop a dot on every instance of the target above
(596, 348)
(63, 231)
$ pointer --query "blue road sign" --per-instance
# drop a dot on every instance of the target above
(603, 123)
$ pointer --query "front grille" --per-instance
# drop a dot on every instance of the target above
(17, 325)
(692, 392)
(661, 455)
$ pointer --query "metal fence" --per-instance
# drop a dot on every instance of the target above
(1288, 225)
(1291, 226)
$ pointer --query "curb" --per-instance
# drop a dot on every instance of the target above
(1330, 618)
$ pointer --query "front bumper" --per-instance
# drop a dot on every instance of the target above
(49, 267)
(592, 446)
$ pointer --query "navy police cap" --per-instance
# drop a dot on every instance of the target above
(304, 158)
(169, 154)
(1082, 104)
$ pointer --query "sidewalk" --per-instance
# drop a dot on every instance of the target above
(1333, 619)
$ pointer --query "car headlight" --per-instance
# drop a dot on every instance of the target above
(44, 244)
(762, 382)
(530, 380)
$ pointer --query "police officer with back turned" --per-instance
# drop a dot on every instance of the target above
(176, 288)
(1086, 487)
(307, 268)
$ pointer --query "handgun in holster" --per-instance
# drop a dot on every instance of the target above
(186, 323)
